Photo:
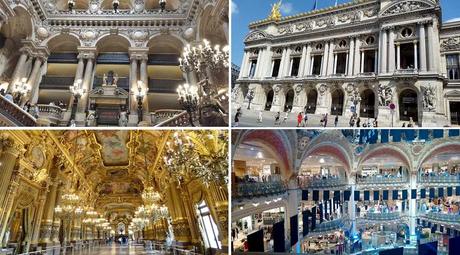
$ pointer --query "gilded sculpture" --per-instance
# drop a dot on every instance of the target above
(275, 14)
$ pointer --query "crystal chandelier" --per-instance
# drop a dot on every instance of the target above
(70, 206)
(159, 213)
(141, 218)
(184, 161)
(150, 196)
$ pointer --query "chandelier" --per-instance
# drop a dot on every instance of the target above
(184, 161)
(141, 219)
(70, 206)
(150, 196)
(91, 217)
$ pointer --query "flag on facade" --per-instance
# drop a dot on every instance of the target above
(315, 5)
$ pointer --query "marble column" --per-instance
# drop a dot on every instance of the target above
(362, 61)
(398, 56)
(267, 70)
(244, 65)
(283, 60)
(145, 82)
(357, 57)
(33, 79)
(384, 56)
(78, 76)
(86, 85)
(413, 209)
(309, 62)
(287, 62)
(330, 67)
(391, 51)
(303, 61)
(177, 210)
(351, 57)
(133, 77)
(10, 152)
(415, 55)
(325, 59)
(431, 49)
(8, 205)
(56, 220)
(19, 70)
(335, 64)
(38, 218)
(259, 65)
(352, 206)
(48, 216)
(422, 40)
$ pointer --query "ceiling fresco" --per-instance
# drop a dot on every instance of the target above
(114, 151)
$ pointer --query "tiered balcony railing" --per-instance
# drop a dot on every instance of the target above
(258, 189)
(382, 216)
(382, 180)
(51, 112)
(443, 217)
(449, 178)
(321, 183)
(179, 120)
(162, 115)
(16, 114)
(329, 225)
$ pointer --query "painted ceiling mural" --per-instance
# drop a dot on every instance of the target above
(114, 151)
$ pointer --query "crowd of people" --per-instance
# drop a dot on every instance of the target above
(355, 121)
(440, 205)
(304, 180)
(382, 173)
(443, 171)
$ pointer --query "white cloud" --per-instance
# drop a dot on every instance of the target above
(286, 8)
(235, 9)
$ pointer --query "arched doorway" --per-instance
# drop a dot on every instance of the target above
(312, 97)
(269, 102)
(408, 107)
(337, 102)
(367, 108)
(289, 100)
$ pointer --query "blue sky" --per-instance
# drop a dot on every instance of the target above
(247, 11)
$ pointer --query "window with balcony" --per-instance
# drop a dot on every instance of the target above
(295, 66)
(317, 60)
(276, 67)
(369, 61)
(407, 56)
(453, 67)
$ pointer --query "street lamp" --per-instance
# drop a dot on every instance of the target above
(250, 98)
(77, 92)
(140, 98)
(188, 98)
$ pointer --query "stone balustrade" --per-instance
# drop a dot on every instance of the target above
(16, 114)
(51, 112)
(179, 120)
(329, 225)
(443, 217)
(381, 180)
(162, 115)
(257, 189)
(322, 183)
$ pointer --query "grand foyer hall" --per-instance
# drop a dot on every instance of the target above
(113, 63)
(113, 192)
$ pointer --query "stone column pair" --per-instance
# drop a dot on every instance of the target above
(85, 73)
(138, 80)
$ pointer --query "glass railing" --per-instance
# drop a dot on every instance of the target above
(321, 183)
(382, 216)
(444, 217)
(329, 225)
(257, 189)
(439, 179)
(381, 180)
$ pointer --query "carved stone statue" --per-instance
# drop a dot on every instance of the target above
(115, 79)
(104, 80)
(123, 120)
(90, 120)
(110, 79)
(385, 95)
(276, 95)
(429, 98)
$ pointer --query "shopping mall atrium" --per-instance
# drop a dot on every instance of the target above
(113, 63)
(346, 191)
(113, 192)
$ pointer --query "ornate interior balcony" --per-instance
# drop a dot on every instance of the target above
(382, 216)
(447, 179)
(56, 82)
(15, 114)
(53, 113)
(257, 189)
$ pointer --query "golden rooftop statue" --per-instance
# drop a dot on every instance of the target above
(275, 15)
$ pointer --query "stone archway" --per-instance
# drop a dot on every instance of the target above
(337, 102)
(269, 102)
(408, 105)
(289, 100)
(312, 98)
(367, 105)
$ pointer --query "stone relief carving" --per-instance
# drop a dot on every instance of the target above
(255, 36)
(452, 43)
(370, 12)
(385, 95)
(304, 26)
(322, 94)
(276, 94)
(287, 29)
(429, 98)
(404, 7)
(297, 91)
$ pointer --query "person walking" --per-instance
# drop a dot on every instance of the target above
(358, 122)
(352, 121)
(325, 120)
(305, 119)
(299, 119)
(286, 116)
(259, 119)
(277, 118)
(336, 121)
(237, 117)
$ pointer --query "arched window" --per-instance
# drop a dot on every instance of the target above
(406, 32)
(370, 40)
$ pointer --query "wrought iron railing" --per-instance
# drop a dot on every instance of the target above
(16, 114)
(257, 189)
